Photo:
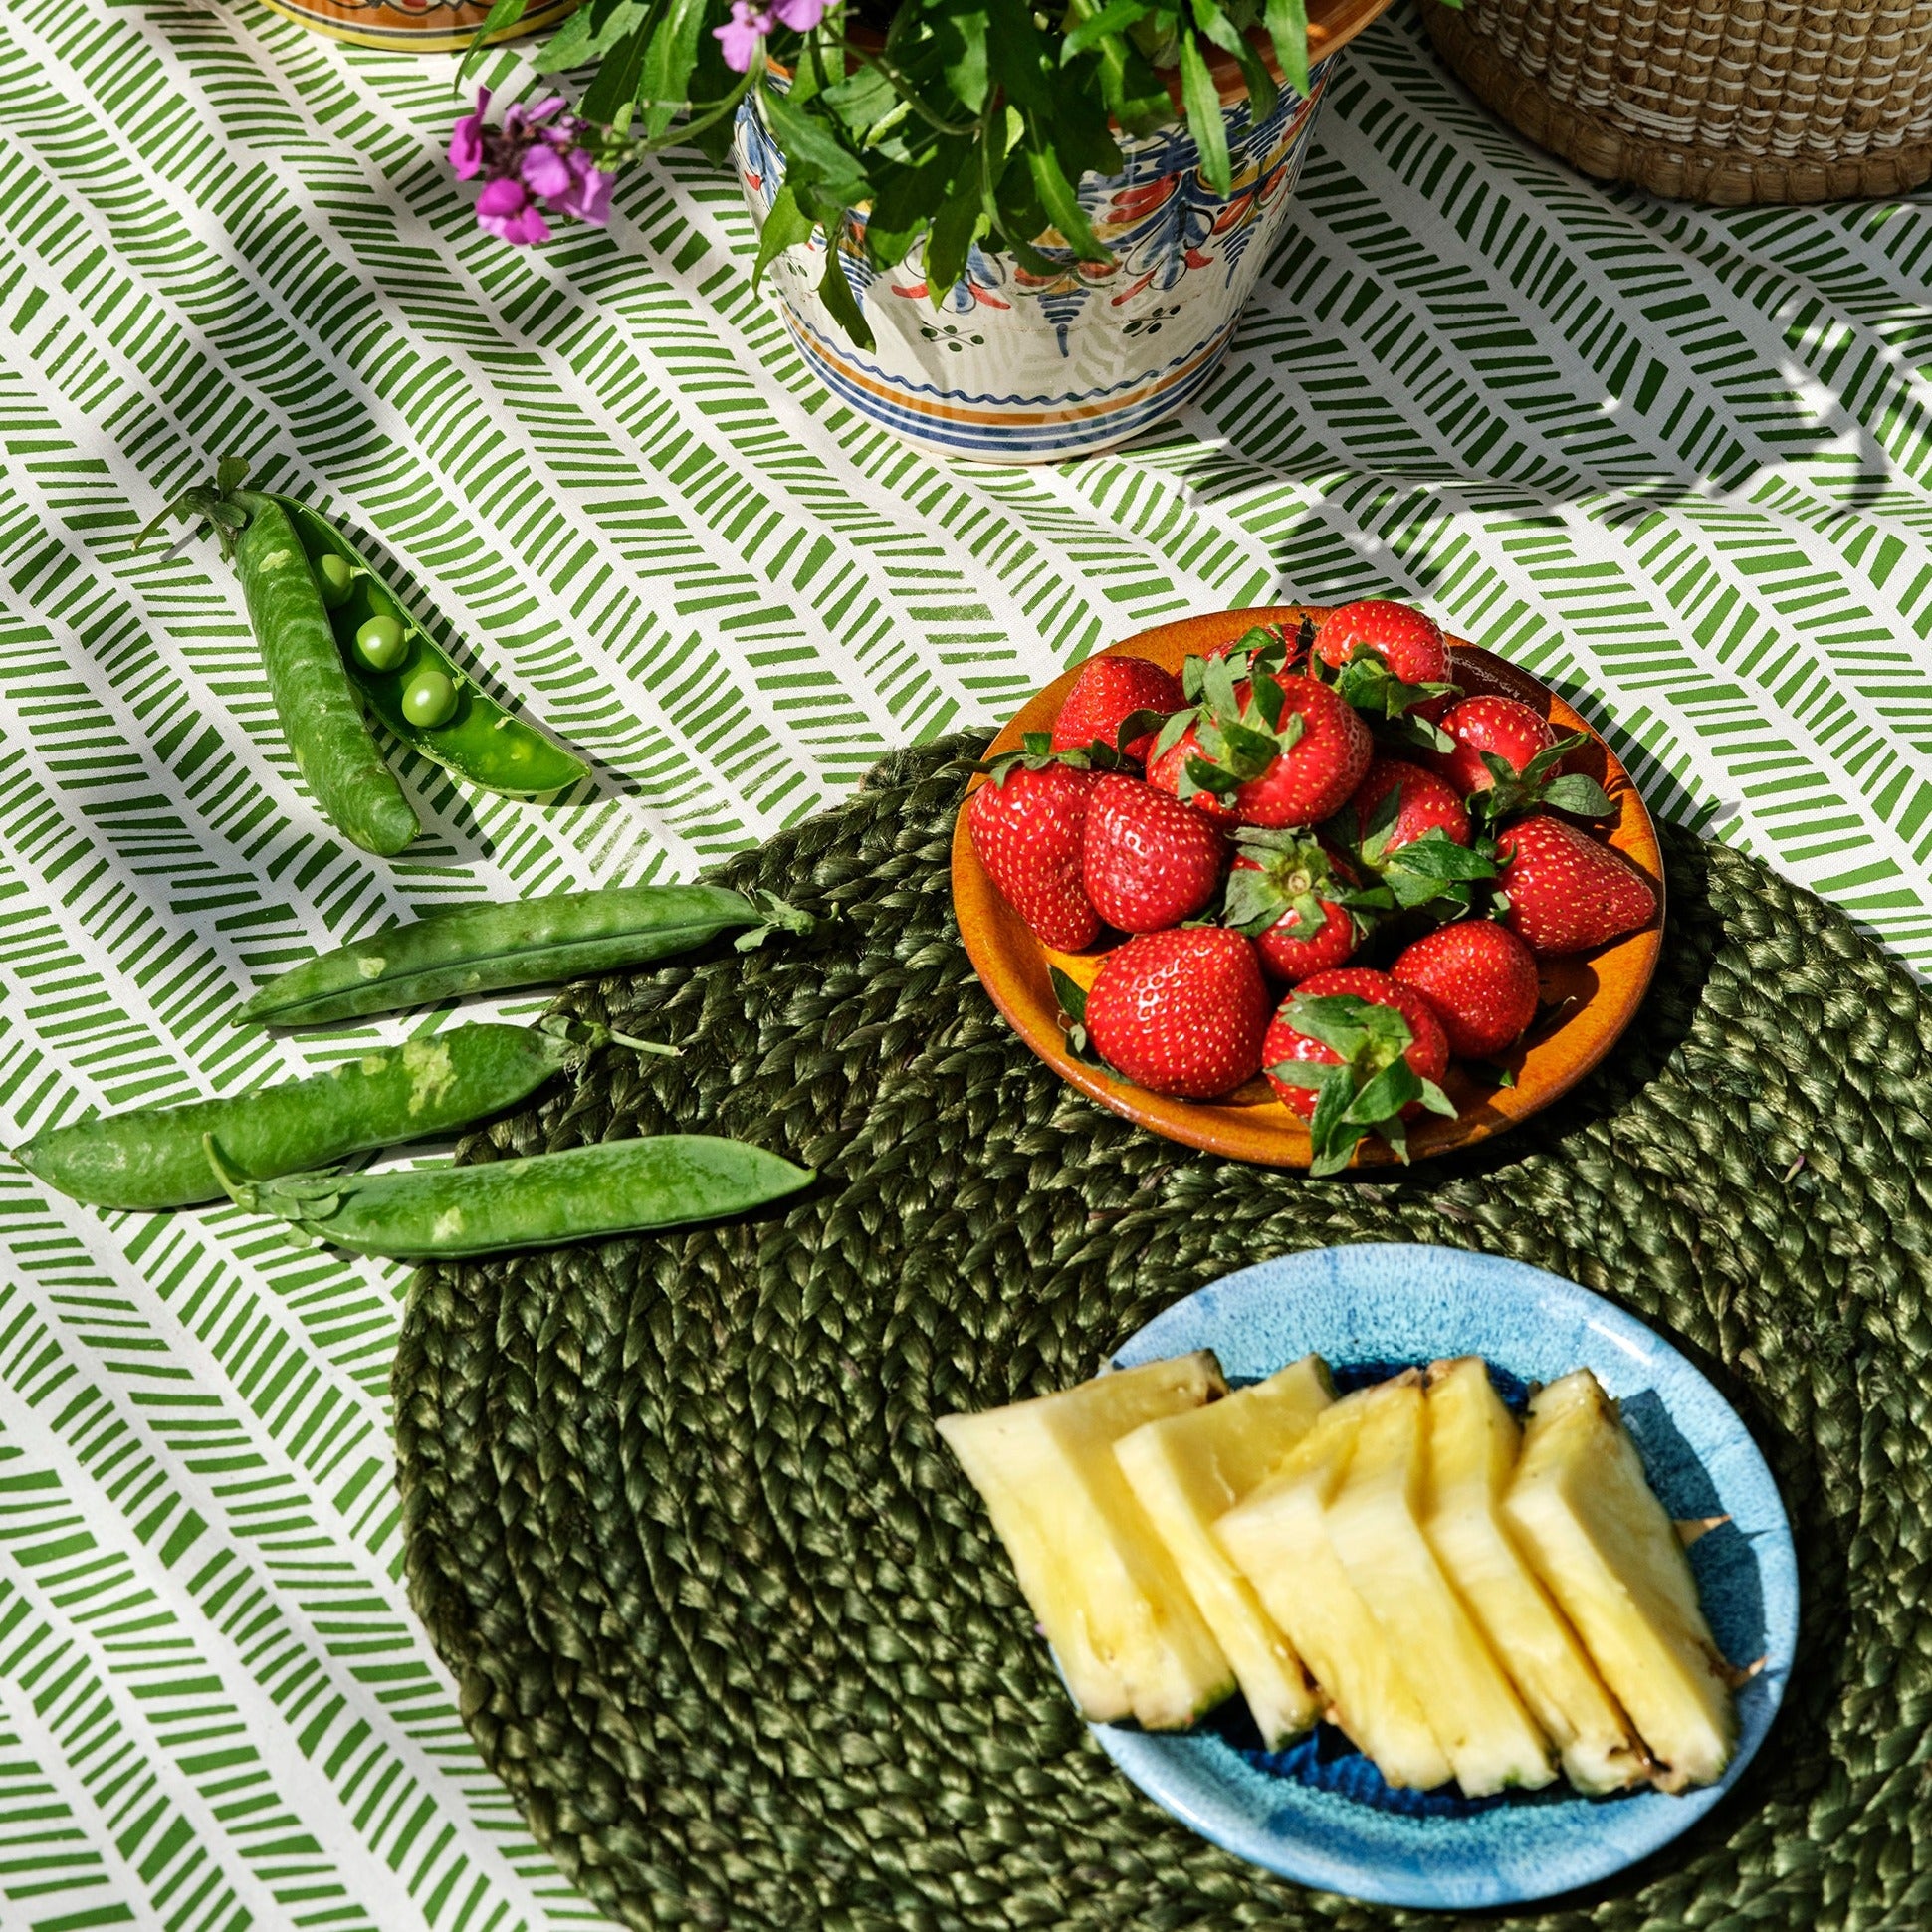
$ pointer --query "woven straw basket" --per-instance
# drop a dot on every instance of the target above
(1715, 101)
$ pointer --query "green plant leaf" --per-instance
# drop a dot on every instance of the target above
(814, 154)
(836, 294)
(664, 84)
(592, 32)
(500, 18)
(1575, 793)
(1093, 28)
(1063, 206)
(230, 473)
(1288, 27)
(614, 86)
(785, 226)
(1203, 106)
(961, 221)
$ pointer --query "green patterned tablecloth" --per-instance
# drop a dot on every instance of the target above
(1675, 461)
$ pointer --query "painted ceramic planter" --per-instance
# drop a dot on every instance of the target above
(1010, 367)
(413, 26)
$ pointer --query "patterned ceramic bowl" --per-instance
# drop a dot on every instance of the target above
(1317, 1811)
(414, 26)
(1011, 367)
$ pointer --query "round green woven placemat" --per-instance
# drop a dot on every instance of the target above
(731, 1626)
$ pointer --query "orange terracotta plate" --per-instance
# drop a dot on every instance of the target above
(1590, 998)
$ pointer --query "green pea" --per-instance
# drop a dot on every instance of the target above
(154, 1158)
(380, 644)
(322, 716)
(585, 1193)
(531, 942)
(480, 742)
(335, 578)
(429, 699)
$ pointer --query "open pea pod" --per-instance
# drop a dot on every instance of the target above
(479, 741)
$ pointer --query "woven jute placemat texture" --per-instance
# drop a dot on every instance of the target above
(1726, 101)
(733, 1628)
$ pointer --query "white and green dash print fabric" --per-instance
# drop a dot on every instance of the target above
(1676, 462)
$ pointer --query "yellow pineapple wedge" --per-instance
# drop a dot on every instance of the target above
(1473, 1442)
(1186, 1471)
(1278, 1537)
(1374, 1524)
(1585, 1515)
(1126, 1634)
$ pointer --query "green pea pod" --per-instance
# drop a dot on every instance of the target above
(587, 1194)
(480, 741)
(322, 716)
(533, 942)
(154, 1158)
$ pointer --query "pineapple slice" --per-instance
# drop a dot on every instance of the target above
(1186, 1470)
(1472, 1447)
(1602, 1543)
(1374, 1524)
(1126, 1634)
(1279, 1538)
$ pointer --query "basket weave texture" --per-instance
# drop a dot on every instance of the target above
(1717, 101)
(733, 1628)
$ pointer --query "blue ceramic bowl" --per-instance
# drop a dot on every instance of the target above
(1318, 1812)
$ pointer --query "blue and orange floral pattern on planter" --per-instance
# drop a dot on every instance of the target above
(1014, 366)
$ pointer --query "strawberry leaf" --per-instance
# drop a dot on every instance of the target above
(1171, 734)
(1582, 797)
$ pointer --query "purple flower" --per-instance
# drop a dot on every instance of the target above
(466, 139)
(588, 197)
(546, 172)
(802, 16)
(538, 159)
(741, 35)
(509, 213)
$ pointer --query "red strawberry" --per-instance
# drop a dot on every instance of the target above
(1507, 760)
(1374, 1051)
(1025, 823)
(1298, 901)
(1508, 730)
(1406, 828)
(1423, 803)
(1390, 659)
(1181, 1012)
(1567, 892)
(1280, 750)
(1479, 978)
(1147, 861)
(1108, 690)
(1407, 640)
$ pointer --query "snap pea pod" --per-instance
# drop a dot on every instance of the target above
(533, 942)
(322, 716)
(156, 1158)
(478, 739)
(585, 1193)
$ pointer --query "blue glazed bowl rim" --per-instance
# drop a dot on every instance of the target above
(1358, 1304)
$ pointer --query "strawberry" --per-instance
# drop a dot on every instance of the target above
(1108, 692)
(1407, 640)
(1276, 749)
(1146, 860)
(1405, 825)
(1353, 1052)
(1177, 1012)
(1563, 892)
(1025, 823)
(1298, 901)
(1390, 660)
(1479, 978)
(1507, 760)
